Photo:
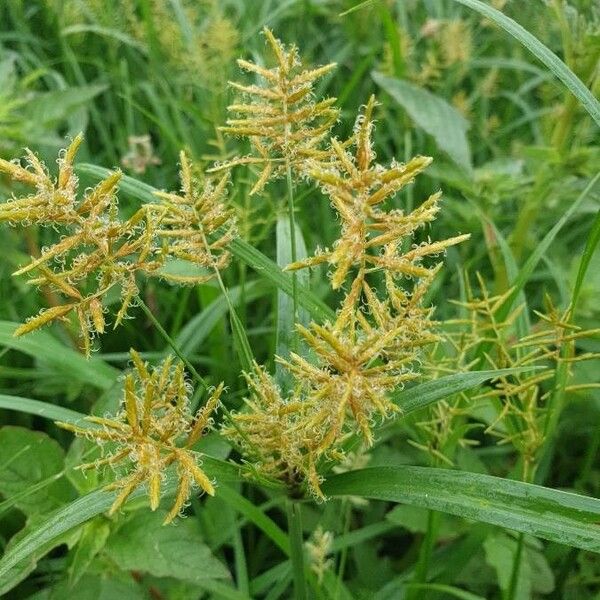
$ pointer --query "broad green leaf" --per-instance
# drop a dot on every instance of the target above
(433, 114)
(424, 394)
(550, 514)
(85, 508)
(113, 586)
(57, 105)
(535, 575)
(243, 251)
(30, 457)
(93, 539)
(42, 346)
(143, 544)
(542, 53)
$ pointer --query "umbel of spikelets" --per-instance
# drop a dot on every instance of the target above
(97, 250)
(371, 236)
(280, 117)
(280, 437)
(196, 225)
(153, 430)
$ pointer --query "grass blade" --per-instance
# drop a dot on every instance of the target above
(554, 515)
(424, 394)
(40, 409)
(43, 346)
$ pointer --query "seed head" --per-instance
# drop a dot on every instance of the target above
(153, 430)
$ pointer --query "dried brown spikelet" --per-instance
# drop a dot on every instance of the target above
(97, 250)
(195, 225)
(371, 236)
(282, 121)
(154, 430)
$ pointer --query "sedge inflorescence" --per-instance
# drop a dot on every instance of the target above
(99, 250)
(283, 122)
(154, 429)
(345, 378)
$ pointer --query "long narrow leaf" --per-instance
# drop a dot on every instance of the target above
(424, 394)
(542, 53)
(40, 409)
(550, 514)
(44, 347)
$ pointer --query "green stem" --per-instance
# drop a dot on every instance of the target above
(425, 552)
(514, 578)
(189, 366)
(294, 517)
(344, 555)
(292, 218)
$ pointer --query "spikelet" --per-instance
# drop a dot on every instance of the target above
(282, 121)
(154, 430)
(520, 399)
(97, 250)
(195, 225)
(371, 237)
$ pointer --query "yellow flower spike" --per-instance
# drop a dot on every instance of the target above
(284, 124)
(97, 251)
(196, 225)
(153, 430)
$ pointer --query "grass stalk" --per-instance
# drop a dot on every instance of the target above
(516, 568)
(294, 518)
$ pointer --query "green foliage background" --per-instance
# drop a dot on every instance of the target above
(514, 149)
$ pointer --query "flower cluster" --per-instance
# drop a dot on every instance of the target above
(99, 251)
(345, 380)
(196, 224)
(281, 119)
(153, 430)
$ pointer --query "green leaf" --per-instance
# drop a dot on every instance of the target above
(113, 586)
(550, 514)
(535, 575)
(590, 247)
(286, 319)
(42, 346)
(58, 105)
(81, 510)
(18, 571)
(542, 53)
(267, 269)
(93, 539)
(424, 394)
(433, 114)
(30, 457)
(143, 544)
(40, 409)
